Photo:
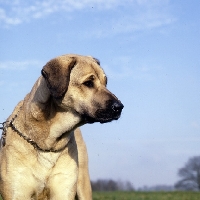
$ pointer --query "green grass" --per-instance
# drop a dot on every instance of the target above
(146, 195)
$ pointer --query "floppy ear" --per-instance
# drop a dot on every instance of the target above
(97, 60)
(57, 75)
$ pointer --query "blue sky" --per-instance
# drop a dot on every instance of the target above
(150, 51)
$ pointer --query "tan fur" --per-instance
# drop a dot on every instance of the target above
(59, 102)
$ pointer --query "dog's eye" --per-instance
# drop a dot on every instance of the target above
(89, 84)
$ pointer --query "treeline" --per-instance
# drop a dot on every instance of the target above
(111, 185)
(189, 180)
(157, 188)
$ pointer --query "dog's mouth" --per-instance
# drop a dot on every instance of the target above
(90, 120)
(112, 112)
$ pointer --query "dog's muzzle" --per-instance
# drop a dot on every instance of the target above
(111, 112)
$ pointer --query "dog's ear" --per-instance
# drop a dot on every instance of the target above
(97, 61)
(57, 75)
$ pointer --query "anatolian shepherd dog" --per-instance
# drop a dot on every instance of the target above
(43, 155)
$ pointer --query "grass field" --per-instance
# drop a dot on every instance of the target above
(146, 196)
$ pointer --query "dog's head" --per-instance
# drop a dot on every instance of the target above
(78, 83)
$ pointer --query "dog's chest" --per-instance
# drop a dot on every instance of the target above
(42, 169)
(47, 160)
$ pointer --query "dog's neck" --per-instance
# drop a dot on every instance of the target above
(61, 126)
(57, 126)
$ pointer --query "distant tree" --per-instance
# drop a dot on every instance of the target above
(128, 186)
(125, 186)
(104, 185)
(190, 175)
(111, 185)
(156, 188)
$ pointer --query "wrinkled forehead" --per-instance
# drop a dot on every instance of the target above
(87, 65)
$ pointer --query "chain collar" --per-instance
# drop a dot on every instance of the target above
(3, 136)
(7, 124)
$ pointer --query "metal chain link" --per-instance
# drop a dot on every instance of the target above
(7, 124)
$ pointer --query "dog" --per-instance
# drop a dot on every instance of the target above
(43, 154)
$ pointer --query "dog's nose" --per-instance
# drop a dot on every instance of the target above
(117, 107)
